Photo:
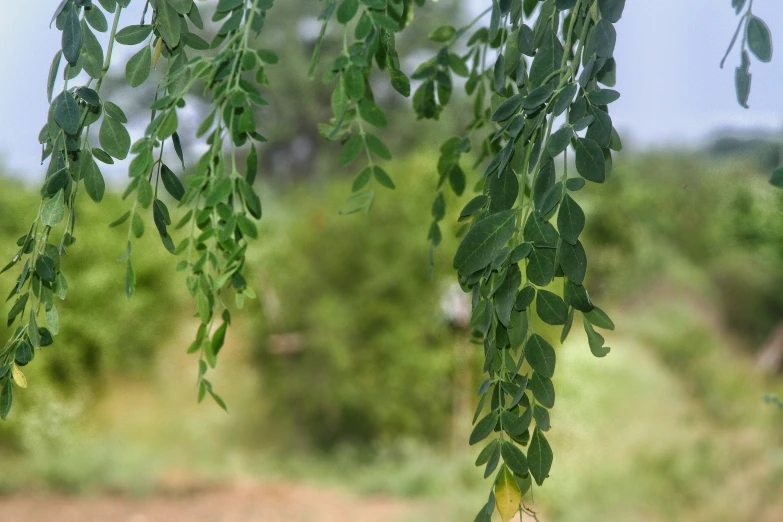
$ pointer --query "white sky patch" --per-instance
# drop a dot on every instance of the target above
(668, 53)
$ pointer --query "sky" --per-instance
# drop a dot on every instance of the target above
(668, 54)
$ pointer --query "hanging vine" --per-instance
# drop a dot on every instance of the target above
(541, 75)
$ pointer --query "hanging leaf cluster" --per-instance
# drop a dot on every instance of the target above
(756, 40)
(541, 76)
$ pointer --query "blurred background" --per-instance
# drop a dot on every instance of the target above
(350, 382)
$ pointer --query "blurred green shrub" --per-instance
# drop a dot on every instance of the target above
(354, 347)
(103, 335)
(713, 228)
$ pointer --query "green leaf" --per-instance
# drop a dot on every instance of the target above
(540, 353)
(598, 318)
(503, 191)
(538, 96)
(476, 205)
(573, 261)
(6, 399)
(17, 308)
(160, 215)
(96, 19)
(139, 67)
(600, 129)
(603, 96)
(45, 268)
(483, 457)
(564, 98)
(169, 123)
(66, 113)
(776, 179)
(251, 165)
(525, 298)
(53, 320)
(439, 207)
(267, 56)
(520, 252)
(218, 338)
(353, 83)
(759, 39)
(130, 279)
(542, 389)
(483, 241)
(53, 210)
(576, 296)
(120, 220)
(72, 35)
(351, 150)
(183, 7)
(88, 95)
(372, 114)
(494, 20)
(595, 340)
(382, 177)
(168, 23)
(513, 457)
(53, 70)
(541, 266)
(539, 232)
(362, 179)
(590, 160)
(492, 461)
(252, 201)
(506, 294)
(137, 225)
(539, 457)
(611, 10)
(228, 5)
(347, 10)
(114, 138)
(444, 33)
(525, 40)
(377, 147)
(400, 82)
(483, 428)
(385, 22)
(219, 192)
(742, 80)
(559, 141)
(542, 418)
(115, 112)
(551, 308)
(570, 220)
(508, 108)
(603, 39)
(178, 150)
(133, 34)
(91, 58)
(548, 58)
(93, 179)
(172, 183)
(145, 194)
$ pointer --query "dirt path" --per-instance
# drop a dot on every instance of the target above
(250, 501)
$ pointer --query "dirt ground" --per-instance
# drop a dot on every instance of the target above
(248, 501)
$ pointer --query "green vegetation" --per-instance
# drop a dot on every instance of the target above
(677, 405)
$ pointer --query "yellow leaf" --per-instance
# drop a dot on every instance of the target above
(507, 495)
(18, 376)
(156, 53)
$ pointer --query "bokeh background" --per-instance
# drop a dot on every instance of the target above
(350, 382)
